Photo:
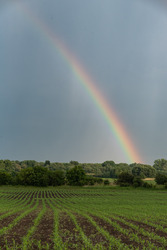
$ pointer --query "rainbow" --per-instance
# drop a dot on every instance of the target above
(91, 87)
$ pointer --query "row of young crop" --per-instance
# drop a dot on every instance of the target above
(19, 209)
(147, 234)
(108, 229)
(135, 234)
(152, 235)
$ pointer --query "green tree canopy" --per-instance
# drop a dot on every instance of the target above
(75, 163)
(143, 171)
(161, 178)
(160, 165)
(125, 178)
(5, 178)
(33, 176)
(26, 176)
(56, 178)
(76, 176)
(47, 163)
(108, 164)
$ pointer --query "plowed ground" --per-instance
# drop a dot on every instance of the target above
(81, 218)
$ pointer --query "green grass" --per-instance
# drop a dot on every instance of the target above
(111, 180)
(151, 181)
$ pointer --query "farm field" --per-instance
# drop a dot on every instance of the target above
(82, 218)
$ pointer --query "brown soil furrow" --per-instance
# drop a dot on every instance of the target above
(2, 213)
(55, 195)
(35, 194)
(68, 195)
(65, 195)
(134, 231)
(46, 194)
(19, 230)
(10, 197)
(15, 197)
(91, 232)
(69, 233)
(60, 195)
(50, 194)
(44, 231)
(40, 204)
(112, 231)
(148, 228)
(29, 194)
(6, 221)
(23, 197)
(71, 194)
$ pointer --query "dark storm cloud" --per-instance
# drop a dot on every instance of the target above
(47, 114)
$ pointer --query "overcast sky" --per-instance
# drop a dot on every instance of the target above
(47, 114)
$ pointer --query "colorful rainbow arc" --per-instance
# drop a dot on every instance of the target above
(108, 113)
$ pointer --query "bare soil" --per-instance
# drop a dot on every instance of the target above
(69, 233)
(112, 231)
(91, 232)
(145, 227)
(6, 221)
(18, 231)
(44, 231)
(149, 228)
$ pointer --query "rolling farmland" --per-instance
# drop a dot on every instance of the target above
(82, 218)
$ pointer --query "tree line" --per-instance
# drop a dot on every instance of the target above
(42, 177)
(126, 179)
(107, 169)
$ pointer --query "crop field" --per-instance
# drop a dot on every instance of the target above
(82, 218)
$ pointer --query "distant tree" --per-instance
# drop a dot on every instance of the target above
(87, 168)
(149, 171)
(137, 182)
(104, 169)
(120, 168)
(75, 163)
(76, 176)
(160, 165)
(41, 176)
(113, 173)
(91, 180)
(33, 176)
(26, 177)
(161, 178)
(56, 178)
(2, 165)
(108, 163)
(125, 179)
(106, 182)
(47, 163)
(138, 171)
(29, 163)
(122, 165)
(98, 180)
(143, 171)
(8, 165)
(5, 178)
